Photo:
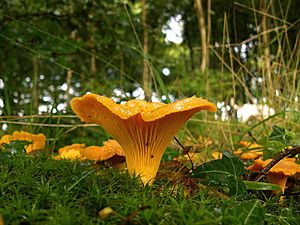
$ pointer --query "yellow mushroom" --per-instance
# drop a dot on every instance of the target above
(38, 141)
(253, 150)
(143, 129)
(279, 173)
(110, 149)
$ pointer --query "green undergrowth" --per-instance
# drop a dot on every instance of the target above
(39, 190)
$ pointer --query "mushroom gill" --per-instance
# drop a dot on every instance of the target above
(143, 129)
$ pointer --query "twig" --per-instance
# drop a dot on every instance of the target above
(286, 152)
(251, 135)
(185, 151)
(48, 124)
(178, 142)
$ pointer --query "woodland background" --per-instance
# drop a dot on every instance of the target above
(230, 52)
(234, 53)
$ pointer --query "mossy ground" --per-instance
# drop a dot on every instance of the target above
(40, 190)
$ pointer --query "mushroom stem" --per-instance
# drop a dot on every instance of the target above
(279, 178)
(144, 145)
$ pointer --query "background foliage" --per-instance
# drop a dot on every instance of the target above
(54, 50)
(230, 52)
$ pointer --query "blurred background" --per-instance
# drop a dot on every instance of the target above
(242, 55)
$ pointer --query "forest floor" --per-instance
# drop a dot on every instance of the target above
(40, 190)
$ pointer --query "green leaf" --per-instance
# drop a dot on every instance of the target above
(248, 212)
(261, 186)
(16, 147)
(223, 172)
(282, 135)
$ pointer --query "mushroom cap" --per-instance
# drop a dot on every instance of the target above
(71, 153)
(97, 153)
(251, 154)
(279, 173)
(72, 146)
(89, 106)
(251, 151)
(257, 165)
(216, 155)
(286, 166)
(38, 140)
(143, 129)
(107, 151)
(250, 145)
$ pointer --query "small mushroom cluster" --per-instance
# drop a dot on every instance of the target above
(109, 149)
(253, 150)
(38, 141)
(143, 129)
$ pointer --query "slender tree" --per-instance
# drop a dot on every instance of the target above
(202, 29)
(146, 70)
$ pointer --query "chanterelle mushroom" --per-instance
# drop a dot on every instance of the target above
(279, 173)
(143, 129)
(38, 140)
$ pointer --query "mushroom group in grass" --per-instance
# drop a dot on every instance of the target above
(109, 151)
(143, 129)
(251, 151)
(279, 173)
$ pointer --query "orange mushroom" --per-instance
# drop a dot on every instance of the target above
(69, 147)
(279, 173)
(252, 153)
(216, 155)
(71, 154)
(250, 145)
(97, 153)
(38, 141)
(142, 129)
(109, 149)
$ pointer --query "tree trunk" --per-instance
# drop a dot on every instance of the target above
(208, 30)
(93, 67)
(202, 29)
(68, 81)
(146, 71)
(69, 74)
(265, 38)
